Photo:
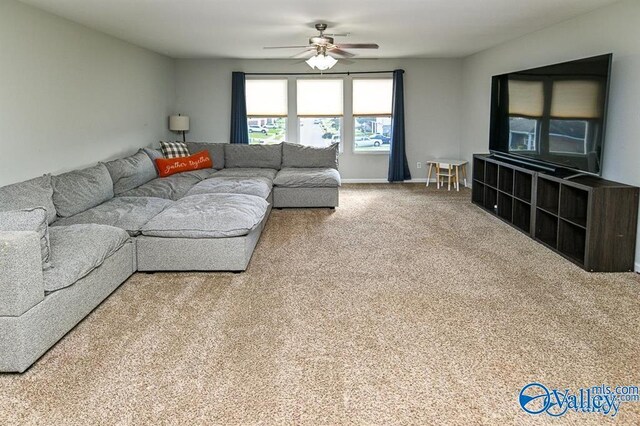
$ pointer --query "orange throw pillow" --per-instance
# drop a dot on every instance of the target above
(170, 166)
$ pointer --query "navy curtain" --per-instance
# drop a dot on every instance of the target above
(239, 128)
(398, 166)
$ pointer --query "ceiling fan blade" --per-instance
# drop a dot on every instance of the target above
(305, 53)
(357, 46)
(341, 52)
(285, 47)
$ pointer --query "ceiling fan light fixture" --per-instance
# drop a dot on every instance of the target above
(322, 62)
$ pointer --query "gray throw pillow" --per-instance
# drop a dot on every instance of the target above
(216, 152)
(79, 190)
(33, 219)
(131, 172)
(295, 155)
(30, 193)
(253, 156)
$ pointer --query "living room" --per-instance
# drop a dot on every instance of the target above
(392, 306)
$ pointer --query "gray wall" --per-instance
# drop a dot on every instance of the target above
(432, 106)
(71, 96)
(613, 29)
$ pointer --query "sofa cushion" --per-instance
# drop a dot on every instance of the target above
(128, 213)
(260, 156)
(208, 216)
(76, 250)
(174, 149)
(296, 155)
(171, 187)
(36, 192)
(260, 187)
(79, 190)
(293, 177)
(153, 154)
(34, 220)
(216, 152)
(246, 173)
(131, 172)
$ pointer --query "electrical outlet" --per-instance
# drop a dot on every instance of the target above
(419, 165)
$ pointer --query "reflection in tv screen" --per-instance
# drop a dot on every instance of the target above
(554, 114)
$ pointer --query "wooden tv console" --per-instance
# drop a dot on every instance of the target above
(588, 220)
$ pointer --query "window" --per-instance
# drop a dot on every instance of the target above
(568, 136)
(575, 108)
(372, 99)
(267, 110)
(320, 109)
(523, 134)
(526, 105)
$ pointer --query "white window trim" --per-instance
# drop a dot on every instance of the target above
(363, 151)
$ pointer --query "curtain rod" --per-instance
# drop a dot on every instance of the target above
(319, 73)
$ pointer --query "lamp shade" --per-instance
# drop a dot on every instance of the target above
(179, 123)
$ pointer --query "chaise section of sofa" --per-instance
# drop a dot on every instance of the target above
(212, 232)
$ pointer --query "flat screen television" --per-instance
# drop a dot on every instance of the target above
(553, 116)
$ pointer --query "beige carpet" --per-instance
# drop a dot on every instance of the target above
(402, 306)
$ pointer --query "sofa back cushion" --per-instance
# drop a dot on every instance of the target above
(131, 172)
(80, 190)
(216, 152)
(253, 156)
(31, 193)
(33, 220)
(295, 155)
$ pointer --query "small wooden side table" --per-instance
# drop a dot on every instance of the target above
(458, 166)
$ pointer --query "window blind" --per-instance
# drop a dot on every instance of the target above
(575, 99)
(320, 97)
(266, 98)
(526, 98)
(372, 97)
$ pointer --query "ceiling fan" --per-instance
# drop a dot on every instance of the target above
(321, 45)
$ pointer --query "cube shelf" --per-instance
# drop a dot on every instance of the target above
(572, 241)
(505, 179)
(478, 170)
(491, 174)
(490, 199)
(477, 193)
(522, 215)
(574, 204)
(547, 228)
(548, 195)
(522, 187)
(505, 206)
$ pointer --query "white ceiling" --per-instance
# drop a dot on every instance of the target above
(240, 28)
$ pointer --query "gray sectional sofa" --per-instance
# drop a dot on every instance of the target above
(68, 241)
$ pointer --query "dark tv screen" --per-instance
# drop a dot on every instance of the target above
(553, 115)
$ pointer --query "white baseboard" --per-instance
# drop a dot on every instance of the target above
(382, 180)
(637, 267)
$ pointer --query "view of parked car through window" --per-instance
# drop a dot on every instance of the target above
(267, 130)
